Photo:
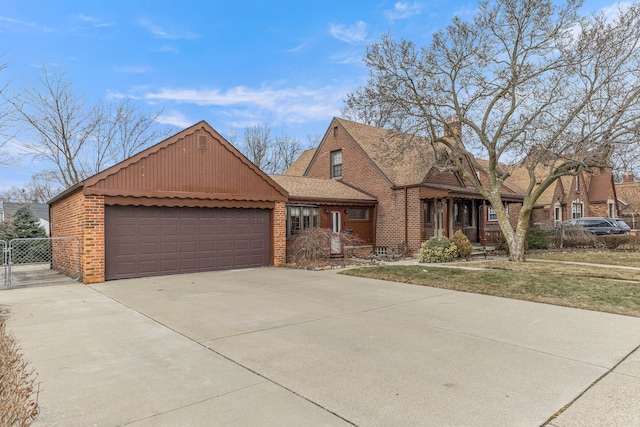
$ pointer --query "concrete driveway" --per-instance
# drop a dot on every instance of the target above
(276, 346)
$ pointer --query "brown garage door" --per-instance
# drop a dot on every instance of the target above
(145, 241)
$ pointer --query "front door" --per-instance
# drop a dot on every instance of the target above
(336, 229)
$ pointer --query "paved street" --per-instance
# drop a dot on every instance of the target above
(277, 346)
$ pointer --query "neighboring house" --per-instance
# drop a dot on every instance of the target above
(415, 199)
(190, 203)
(628, 193)
(591, 193)
(40, 210)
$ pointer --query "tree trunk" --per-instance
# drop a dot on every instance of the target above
(516, 241)
(516, 246)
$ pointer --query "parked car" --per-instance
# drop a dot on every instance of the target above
(601, 225)
(622, 224)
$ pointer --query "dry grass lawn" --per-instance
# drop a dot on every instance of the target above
(608, 289)
(631, 259)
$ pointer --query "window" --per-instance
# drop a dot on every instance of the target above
(358, 213)
(577, 183)
(493, 216)
(427, 212)
(558, 213)
(468, 213)
(611, 209)
(336, 164)
(301, 217)
(576, 210)
(335, 131)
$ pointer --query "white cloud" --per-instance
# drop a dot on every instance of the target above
(14, 25)
(171, 33)
(611, 12)
(403, 10)
(168, 48)
(282, 105)
(92, 20)
(353, 34)
(175, 118)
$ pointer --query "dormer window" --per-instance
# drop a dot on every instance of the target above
(336, 164)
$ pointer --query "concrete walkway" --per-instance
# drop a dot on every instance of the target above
(277, 346)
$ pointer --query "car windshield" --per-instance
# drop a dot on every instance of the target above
(621, 223)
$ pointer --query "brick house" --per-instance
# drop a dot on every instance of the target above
(628, 193)
(329, 203)
(190, 203)
(415, 200)
(591, 193)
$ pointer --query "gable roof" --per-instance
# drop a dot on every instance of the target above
(629, 194)
(519, 182)
(601, 187)
(319, 189)
(402, 162)
(599, 184)
(194, 164)
(299, 167)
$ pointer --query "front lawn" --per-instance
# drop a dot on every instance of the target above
(631, 259)
(593, 288)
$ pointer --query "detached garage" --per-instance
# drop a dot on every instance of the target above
(190, 203)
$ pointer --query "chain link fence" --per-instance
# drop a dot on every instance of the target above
(40, 260)
(5, 260)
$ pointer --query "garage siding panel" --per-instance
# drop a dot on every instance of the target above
(150, 241)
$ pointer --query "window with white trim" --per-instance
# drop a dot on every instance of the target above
(492, 215)
(301, 217)
(336, 164)
(576, 210)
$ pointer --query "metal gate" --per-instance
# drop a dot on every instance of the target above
(40, 260)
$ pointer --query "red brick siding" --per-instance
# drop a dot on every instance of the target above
(93, 240)
(82, 217)
(280, 234)
(359, 171)
(65, 222)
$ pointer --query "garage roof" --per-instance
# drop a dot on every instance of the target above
(195, 167)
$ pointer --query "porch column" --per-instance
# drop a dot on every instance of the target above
(482, 217)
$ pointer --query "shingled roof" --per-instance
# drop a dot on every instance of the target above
(302, 188)
(403, 158)
(299, 167)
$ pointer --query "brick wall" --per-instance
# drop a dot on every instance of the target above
(65, 222)
(359, 171)
(81, 217)
(280, 234)
(414, 222)
(93, 240)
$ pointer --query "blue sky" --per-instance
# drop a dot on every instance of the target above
(231, 63)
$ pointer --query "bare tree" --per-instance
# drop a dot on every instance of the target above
(5, 134)
(257, 141)
(40, 189)
(530, 82)
(272, 155)
(126, 129)
(80, 139)
(286, 150)
(59, 123)
(361, 106)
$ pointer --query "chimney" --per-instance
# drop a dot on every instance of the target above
(452, 127)
(628, 177)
